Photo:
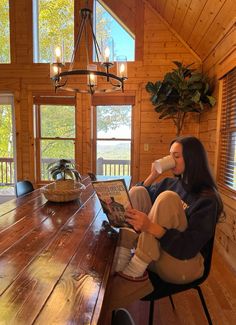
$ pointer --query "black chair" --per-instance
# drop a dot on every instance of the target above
(23, 188)
(121, 316)
(165, 289)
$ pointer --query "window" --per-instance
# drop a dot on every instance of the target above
(106, 26)
(4, 32)
(113, 140)
(7, 142)
(227, 167)
(55, 133)
(53, 24)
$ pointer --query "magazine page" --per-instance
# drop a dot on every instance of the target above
(114, 199)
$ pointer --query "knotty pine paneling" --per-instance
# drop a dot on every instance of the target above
(181, 9)
(207, 44)
(191, 17)
(21, 18)
(208, 14)
(201, 24)
(223, 57)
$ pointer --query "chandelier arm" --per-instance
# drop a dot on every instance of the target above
(96, 45)
(86, 42)
(78, 38)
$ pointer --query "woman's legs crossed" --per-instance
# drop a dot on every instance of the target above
(167, 211)
(128, 237)
(123, 290)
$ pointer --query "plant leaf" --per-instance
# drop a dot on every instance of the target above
(211, 100)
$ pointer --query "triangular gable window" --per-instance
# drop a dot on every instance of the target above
(106, 26)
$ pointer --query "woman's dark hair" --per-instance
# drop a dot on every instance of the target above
(197, 176)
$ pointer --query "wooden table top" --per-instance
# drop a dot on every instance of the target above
(55, 259)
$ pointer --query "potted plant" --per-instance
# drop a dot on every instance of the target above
(63, 169)
(67, 185)
(181, 91)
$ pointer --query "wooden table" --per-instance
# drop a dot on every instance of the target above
(55, 260)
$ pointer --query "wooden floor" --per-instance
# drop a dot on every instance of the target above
(219, 292)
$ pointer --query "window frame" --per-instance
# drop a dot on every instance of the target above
(227, 132)
(38, 101)
(111, 101)
(8, 99)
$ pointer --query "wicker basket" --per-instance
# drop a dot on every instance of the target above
(63, 190)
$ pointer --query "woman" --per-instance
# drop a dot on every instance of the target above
(173, 219)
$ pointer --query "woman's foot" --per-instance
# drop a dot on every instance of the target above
(123, 254)
(136, 267)
(121, 258)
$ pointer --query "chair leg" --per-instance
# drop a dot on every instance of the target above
(113, 316)
(172, 302)
(204, 305)
(151, 312)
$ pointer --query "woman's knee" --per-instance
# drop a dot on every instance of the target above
(138, 190)
(140, 198)
(168, 211)
(168, 196)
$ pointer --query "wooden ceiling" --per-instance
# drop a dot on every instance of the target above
(200, 23)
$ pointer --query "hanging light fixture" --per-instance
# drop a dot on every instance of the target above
(95, 73)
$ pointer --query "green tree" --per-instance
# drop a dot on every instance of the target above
(112, 117)
(4, 32)
(6, 147)
(56, 25)
(57, 122)
(103, 23)
(57, 31)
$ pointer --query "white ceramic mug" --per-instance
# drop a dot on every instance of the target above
(164, 164)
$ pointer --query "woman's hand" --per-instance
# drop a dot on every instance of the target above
(138, 220)
(152, 176)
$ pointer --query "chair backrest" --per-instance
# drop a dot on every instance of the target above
(207, 252)
(164, 289)
(122, 317)
(23, 187)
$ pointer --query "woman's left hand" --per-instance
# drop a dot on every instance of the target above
(137, 219)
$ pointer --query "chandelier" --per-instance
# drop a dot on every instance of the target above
(94, 74)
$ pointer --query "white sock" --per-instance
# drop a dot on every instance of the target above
(121, 258)
(136, 267)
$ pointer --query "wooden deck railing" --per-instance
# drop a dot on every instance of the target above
(6, 171)
(113, 167)
(107, 167)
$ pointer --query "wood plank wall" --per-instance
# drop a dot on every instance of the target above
(221, 60)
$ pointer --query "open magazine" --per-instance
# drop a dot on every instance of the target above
(114, 199)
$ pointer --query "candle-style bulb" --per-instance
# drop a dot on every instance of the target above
(55, 69)
(122, 70)
(107, 54)
(58, 54)
(92, 78)
(58, 51)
